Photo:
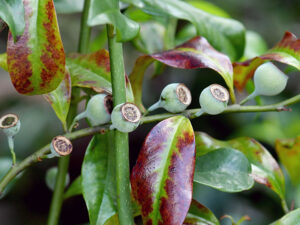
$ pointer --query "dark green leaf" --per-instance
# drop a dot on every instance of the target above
(162, 178)
(224, 34)
(98, 179)
(200, 215)
(12, 13)
(107, 12)
(68, 6)
(225, 169)
(292, 218)
(74, 189)
(265, 169)
(60, 99)
(288, 151)
(36, 61)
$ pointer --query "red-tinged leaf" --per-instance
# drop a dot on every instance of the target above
(196, 53)
(162, 179)
(60, 99)
(93, 71)
(265, 169)
(288, 151)
(36, 61)
(3, 59)
(200, 215)
(286, 51)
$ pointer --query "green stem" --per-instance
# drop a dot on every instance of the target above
(11, 148)
(121, 146)
(85, 30)
(284, 206)
(38, 155)
(63, 162)
(57, 198)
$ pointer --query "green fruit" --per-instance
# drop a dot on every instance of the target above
(60, 146)
(125, 117)
(175, 98)
(98, 110)
(213, 100)
(268, 81)
(10, 124)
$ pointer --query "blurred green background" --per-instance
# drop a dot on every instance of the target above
(28, 201)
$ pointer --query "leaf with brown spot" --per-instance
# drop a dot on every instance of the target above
(200, 215)
(60, 99)
(36, 61)
(286, 51)
(196, 53)
(288, 151)
(93, 71)
(265, 169)
(162, 179)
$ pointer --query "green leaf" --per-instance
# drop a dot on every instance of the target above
(74, 189)
(292, 218)
(162, 178)
(226, 35)
(60, 99)
(68, 6)
(200, 215)
(12, 12)
(196, 53)
(225, 169)
(93, 71)
(288, 151)
(3, 61)
(5, 166)
(98, 179)
(51, 178)
(286, 51)
(36, 61)
(107, 12)
(209, 8)
(265, 169)
(255, 45)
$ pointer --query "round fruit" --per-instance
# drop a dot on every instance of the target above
(213, 100)
(125, 117)
(10, 124)
(175, 98)
(60, 146)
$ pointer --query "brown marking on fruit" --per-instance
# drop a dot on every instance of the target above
(62, 145)
(131, 112)
(8, 120)
(108, 103)
(53, 57)
(19, 66)
(183, 94)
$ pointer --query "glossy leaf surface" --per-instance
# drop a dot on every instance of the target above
(107, 12)
(12, 13)
(265, 169)
(93, 71)
(196, 53)
(162, 179)
(286, 51)
(200, 215)
(225, 169)
(60, 98)
(292, 218)
(36, 61)
(74, 189)
(288, 151)
(98, 179)
(68, 6)
(224, 34)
